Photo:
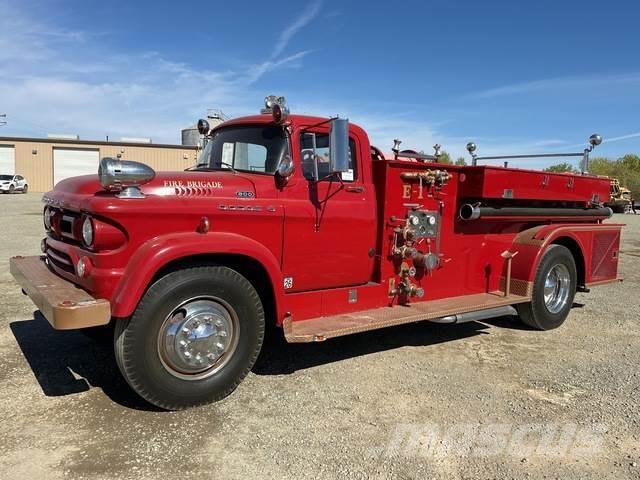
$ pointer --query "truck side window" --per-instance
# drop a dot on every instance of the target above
(322, 155)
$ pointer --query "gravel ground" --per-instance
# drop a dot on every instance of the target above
(479, 400)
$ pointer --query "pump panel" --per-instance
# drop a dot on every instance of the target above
(424, 223)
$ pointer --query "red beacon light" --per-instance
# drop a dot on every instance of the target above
(280, 113)
(277, 107)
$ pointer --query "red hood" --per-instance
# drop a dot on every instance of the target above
(215, 184)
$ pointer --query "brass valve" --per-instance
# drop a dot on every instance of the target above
(407, 271)
(408, 233)
(405, 251)
(439, 177)
(411, 290)
(408, 289)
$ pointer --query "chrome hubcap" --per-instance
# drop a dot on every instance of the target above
(198, 338)
(557, 286)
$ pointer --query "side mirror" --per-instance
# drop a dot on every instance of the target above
(339, 145)
(286, 167)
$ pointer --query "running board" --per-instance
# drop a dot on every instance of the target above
(323, 328)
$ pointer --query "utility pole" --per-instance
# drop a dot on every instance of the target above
(3, 122)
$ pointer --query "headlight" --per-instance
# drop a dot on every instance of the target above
(48, 213)
(87, 231)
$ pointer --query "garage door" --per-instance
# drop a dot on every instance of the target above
(7, 160)
(70, 162)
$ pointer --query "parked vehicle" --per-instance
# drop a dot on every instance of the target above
(619, 198)
(13, 183)
(298, 222)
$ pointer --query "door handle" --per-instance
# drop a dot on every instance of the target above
(355, 189)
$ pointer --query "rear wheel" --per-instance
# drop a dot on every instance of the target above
(25, 189)
(554, 288)
(194, 336)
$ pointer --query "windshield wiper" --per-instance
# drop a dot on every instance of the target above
(196, 167)
(230, 166)
(203, 167)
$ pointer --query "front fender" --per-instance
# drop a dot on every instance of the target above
(160, 251)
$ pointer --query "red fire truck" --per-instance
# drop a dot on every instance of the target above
(299, 222)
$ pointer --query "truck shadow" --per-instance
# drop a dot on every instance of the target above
(279, 357)
(68, 362)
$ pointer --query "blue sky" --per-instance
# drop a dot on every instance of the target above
(512, 76)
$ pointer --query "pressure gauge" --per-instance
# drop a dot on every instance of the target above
(431, 219)
(415, 221)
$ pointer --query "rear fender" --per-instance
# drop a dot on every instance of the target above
(158, 252)
(531, 244)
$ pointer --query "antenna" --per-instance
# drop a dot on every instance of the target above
(3, 122)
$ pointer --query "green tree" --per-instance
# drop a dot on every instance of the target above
(603, 166)
(560, 168)
(444, 157)
(460, 161)
(625, 169)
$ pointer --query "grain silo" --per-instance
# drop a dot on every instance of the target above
(191, 136)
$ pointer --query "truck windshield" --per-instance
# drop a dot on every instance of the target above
(6, 177)
(255, 149)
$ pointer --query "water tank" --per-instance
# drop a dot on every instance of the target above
(191, 137)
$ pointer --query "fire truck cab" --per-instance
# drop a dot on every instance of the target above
(298, 222)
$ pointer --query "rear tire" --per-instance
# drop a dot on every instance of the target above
(25, 189)
(194, 336)
(554, 288)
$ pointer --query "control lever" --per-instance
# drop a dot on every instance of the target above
(354, 189)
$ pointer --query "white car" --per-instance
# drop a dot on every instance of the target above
(13, 183)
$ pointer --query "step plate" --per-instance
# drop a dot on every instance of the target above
(323, 328)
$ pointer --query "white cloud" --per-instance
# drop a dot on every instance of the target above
(561, 84)
(300, 22)
(622, 137)
(54, 79)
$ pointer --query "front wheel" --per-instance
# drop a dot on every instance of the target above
(192, 339)
(554, 288)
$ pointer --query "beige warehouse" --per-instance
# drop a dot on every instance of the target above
(40, 160)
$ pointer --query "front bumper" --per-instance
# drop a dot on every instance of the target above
(63, 304)
(5, 188)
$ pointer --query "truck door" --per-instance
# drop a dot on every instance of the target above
(330, 222)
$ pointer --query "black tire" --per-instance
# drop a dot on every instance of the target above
(537, 314)
(137, 348)
(25, 189)
(11, 188)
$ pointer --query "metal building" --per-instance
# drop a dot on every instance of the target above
(46, 161)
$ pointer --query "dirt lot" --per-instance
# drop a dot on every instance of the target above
(419, 401)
